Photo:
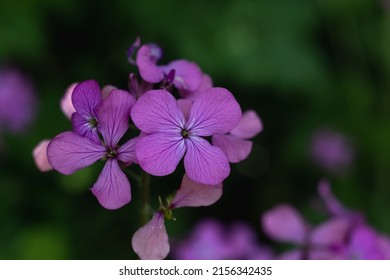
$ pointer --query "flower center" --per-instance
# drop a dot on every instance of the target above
(111, 154)
(185, 133)
(93, 122)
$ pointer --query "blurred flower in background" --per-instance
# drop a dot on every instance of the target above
(17, 101)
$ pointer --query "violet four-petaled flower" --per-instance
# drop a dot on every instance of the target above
(69, 152)
(171, 136)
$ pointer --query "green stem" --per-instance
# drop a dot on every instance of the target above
(145, 197)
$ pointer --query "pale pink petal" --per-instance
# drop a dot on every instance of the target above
(235, 149)
(106, 90)
(206, 83)
(113, 115)
(147, 57)
(150, 242)
(126, 152)
(332, 232)
(205, 163)
(40, 156)
(215, 111)
(249, 126)
(69, 152)
(185, 106)
(66, 101)
(284, 223)
(188, 75)
(193, 194)
(160, 153)
(112, 189)
(157, 111)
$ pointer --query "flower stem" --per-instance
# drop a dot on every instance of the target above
(145, 197)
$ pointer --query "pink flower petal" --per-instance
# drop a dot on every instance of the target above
(40, 156)
(188, 75)
(126, 152)
(147, 57)
(160, 153)
(157, 111)
(206, 83)
(69, 152)
(112, 189)
(106, 90)
(284, 223)
(205, 163)
(193, 194)
(66, 101)
(86, 96)
(235, 149)
(113, 115)
(150, 242)
(249, 126)
(215, 111)
(332, 232)
(185, 106)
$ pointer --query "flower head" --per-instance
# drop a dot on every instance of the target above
(69, 152)
(170, 136)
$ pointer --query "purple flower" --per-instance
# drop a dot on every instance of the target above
(188, 76)
(171, 136)
(69, 152)
(210, 240)
(331, 150)
(17, 101)
(151, 240)
(235, 144)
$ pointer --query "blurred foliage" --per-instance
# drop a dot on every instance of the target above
(301, 64)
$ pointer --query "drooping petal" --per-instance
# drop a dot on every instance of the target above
(66, 101)
(112, 189)
(332, 232)
(106, 90)
(160, 153)
(185, 106)
(150, 242)
(249, 126)
(40, 156)
(157, 111)
(86, 97)
(193, 194)
(235, 149)
(69, 152)
(205, 163)
(188, 75)
(147, 57)
(126, 152)
(206, 83)
(284, 223)
(113, 115)
(83, 125)
(214, 111)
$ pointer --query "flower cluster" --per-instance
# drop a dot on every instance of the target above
(174, 113)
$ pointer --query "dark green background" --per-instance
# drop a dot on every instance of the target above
(301, 64)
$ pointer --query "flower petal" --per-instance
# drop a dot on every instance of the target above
(235, 149)
(113, 115)
(66, 101)
(157, 111)
(206, 83)
(147, 57)
(185, 106)
(86, 97)
(284, 223)
(214, 111)
(126, 152)
(150, 242)
(332, 232)
(112, 189)
(188, 75)
(69, 152)
(205, 163)
(82, 126)
(160, 153)
(106, 90)
(249, 126)
(40, 156)
(193, 194)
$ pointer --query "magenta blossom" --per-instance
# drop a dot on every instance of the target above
(170, 136)
(151, 240)
(211, 240)
(69, 152)
(235, 144)
(188, 76)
